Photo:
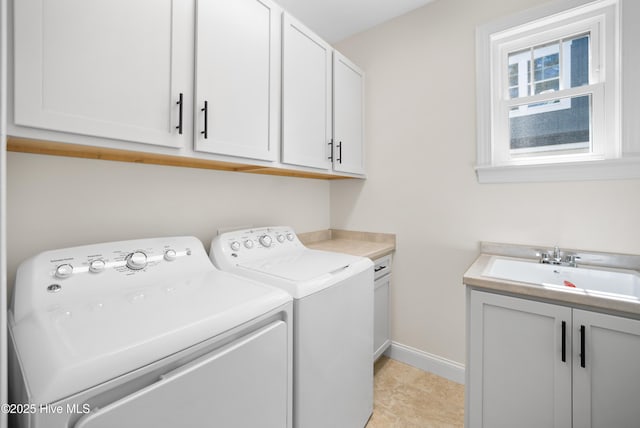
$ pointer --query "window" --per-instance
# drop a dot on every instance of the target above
(549, 87)
(559, 124)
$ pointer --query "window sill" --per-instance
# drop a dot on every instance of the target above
(614, 169)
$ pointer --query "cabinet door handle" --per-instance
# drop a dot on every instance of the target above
(564, 341)
(205, 109)
(331, 145)
(179, 103)
(582, 346)
(339, 152)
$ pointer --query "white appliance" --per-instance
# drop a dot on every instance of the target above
(146, 333)
(333, 320)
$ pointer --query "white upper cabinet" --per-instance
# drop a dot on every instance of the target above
(237, 78)
(202, 79)
(111, 69)
(348, 116)
(306, 92)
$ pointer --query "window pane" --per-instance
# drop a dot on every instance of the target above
(559, 125)
(513, 74)
(518, 66)
(547, 86)
(576, 61)
(546, 66)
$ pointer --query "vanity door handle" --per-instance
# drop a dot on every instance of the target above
(179, 103)
(564, 341)
(205, 110)
(582, 346)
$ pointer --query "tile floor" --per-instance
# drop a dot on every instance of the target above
(407, 397)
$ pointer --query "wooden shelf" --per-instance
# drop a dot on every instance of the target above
(90, 152)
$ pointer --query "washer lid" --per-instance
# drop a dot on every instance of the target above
(303, 265)
(76, 344)
(305, 271)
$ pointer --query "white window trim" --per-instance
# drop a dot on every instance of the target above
(623, 161)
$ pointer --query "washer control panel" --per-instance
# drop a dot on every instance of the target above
(253, 244)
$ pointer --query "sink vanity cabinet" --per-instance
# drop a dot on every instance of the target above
(538, 364)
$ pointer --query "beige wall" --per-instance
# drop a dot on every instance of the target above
(420, 126)
(55, 202)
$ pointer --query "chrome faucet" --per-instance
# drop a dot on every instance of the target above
(558, 257)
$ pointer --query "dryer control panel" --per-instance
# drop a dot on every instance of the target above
(230, 248)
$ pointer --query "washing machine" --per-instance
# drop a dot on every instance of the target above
(146, 333)
(333, 320)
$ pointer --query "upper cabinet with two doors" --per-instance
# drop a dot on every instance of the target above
(322, 103)
(200, 79)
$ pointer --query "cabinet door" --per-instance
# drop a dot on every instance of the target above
(237, 78)
(606, 382)
(348, 116)
(306, 92)
(111, 69)
(517, 374)
(381, 334)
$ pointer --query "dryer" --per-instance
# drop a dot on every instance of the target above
(333, 320)
(146, 333)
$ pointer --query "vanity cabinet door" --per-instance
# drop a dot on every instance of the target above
(306, 92)
(237, 80)
(112, 69)
(606, 381)
(348, 116)
(517, 374)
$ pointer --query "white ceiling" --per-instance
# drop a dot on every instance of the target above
(335, 20)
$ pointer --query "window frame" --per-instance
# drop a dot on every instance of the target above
(551, 22)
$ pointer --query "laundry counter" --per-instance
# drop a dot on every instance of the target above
(364, 244)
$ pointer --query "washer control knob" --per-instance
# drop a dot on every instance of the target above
(235, 245)
(170, 255)
(137, 260)
(97, 266)
(64, 271)
(265, 240)
(280, 238)
(290, 236)
(248, 244)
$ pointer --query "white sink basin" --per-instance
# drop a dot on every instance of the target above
(618, 283)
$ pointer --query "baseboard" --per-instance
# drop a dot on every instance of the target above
(428, 362)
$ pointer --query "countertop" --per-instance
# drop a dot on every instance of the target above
(364, 244)
(474, 278)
